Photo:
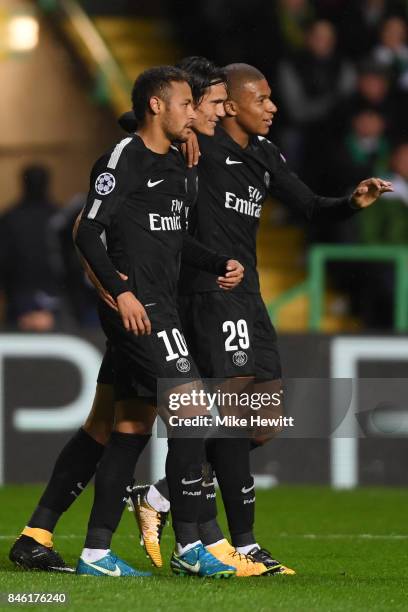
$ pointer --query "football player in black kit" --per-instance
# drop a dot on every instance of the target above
(136, 200)
(77, 461)
(230, 334)
(146, 239)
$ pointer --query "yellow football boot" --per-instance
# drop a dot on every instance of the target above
(150, 522)
(244, 564)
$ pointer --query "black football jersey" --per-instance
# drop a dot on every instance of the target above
(136, 209)
(233, 184)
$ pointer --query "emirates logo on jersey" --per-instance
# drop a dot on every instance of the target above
(168, 223)
(251, 206)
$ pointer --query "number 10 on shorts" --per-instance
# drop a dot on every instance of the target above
(179, 341)
(238, 336)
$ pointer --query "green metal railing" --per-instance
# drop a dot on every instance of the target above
(314, 286)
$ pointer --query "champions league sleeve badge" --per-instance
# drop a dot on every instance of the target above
(105, 183)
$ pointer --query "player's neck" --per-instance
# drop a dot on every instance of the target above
(235, 132)
(154, 138)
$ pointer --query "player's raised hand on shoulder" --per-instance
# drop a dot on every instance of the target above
(191, 150)
(368, 191)
(133, 314)
(233, 275)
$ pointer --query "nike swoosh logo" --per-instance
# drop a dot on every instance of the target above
(187, 482)
(231, 162)
(208, 484)
(152, 304)
(153, 184)
(115, 573)
(193, 568)
(244, 490)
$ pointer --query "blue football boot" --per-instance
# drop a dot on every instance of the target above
(199, 562)
(109, 565)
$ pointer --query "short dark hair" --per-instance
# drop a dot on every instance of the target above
(202, 74)
(153, 82)
(238, 75)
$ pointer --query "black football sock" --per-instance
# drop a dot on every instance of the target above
(184, 477)
(74, 468)
(163, 488)
(230, 458)
(114, 474)
(210, 532)
(208, 527)
(208, 507)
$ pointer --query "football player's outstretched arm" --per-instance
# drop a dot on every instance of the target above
(289, 189)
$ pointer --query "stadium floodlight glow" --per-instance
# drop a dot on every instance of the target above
(23, 33)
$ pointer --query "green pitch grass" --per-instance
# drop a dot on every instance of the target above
(349, 550)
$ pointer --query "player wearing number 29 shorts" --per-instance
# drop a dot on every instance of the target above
(230, 334)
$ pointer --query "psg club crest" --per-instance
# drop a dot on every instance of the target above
(240, 358)
(183, 365)
(105, 183)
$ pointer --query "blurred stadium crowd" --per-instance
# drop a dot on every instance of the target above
(339, 76)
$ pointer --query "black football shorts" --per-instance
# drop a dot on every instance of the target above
(137, 362)
(106, 373)
(230, 334)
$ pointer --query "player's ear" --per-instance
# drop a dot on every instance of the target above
(230, 108)
(155, 105)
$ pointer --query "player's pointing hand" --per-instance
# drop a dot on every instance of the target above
(368, 191)
(133, 314)
(233, 276)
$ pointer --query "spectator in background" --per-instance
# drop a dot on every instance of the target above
(360, 23)
(364, 151)
(311, 83)
(392, 51)
(387, 223)
(26, 274)
(288, 25)
(373, 92)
